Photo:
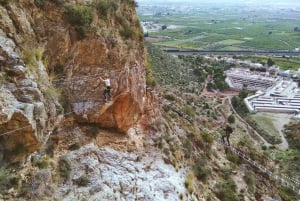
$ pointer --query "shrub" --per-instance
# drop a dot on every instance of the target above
(8, 180)
(150, 79)
(287, 194)
(74, 146)
(57, 2)
(127, 32)
(232, 157)
(249, 178)
(82, 181)
(122, 20)
(93, 130)
(200, 169)
(189, 182)
(188, 147)
(226, 190)
(226, 171)
(231, 119)
(42, 163)
(29, 57)
(189, 110)
(64, 168)
(39, 3)
(105, 6)
(4, 2)
(166, 108)
(3, 78)
(169, 97)
(132, 3)
(52, 93)
(207, 137)
(80, 17)
(4, 178)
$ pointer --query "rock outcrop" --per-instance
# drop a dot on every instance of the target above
(114, 175)
(46, 58)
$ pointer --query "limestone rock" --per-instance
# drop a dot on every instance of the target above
(17, 70)
(117, 175)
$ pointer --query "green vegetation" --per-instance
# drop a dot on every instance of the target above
(292, 132)
(168, 70)
(82, 181)
(170, 97)
(105, 6)
(232, 158)
(226, 190)
(127, 32)
(284, 63)
(52, 93)
(238, 103)
(74, 146)
(8, 179)
(3, 78)
(4, 178)
(64, 168)
(42, 163)
(231, 119)
(201, 170)
(189, 182)
(249, 178)
(189, 110)
(131, 3)
(287, 194)
(80, 17)
(290, 159)
(4, 2)
(41, 3)
(31, 57)
(150, 79)
(265, 127)
(94, 130)
(224, 30)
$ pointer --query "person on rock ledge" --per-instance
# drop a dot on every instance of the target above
(106, 93)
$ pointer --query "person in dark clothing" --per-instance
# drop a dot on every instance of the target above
(228, 130)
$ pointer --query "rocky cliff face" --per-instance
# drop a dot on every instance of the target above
(57, 50)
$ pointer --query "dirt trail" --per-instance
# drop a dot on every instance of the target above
(279, 120)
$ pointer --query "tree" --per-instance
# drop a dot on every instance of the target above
(270, 62)
(243, 94)
(231, 119)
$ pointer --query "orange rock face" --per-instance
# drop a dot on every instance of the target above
(105, 50)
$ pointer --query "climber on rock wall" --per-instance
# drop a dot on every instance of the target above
(106, 93)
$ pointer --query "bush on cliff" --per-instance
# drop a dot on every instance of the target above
(105, 6)
(4, 2)
(80, 17)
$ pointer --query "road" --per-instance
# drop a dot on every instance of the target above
(240, 52)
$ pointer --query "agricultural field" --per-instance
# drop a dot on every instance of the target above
(284, 63)
(213, 27)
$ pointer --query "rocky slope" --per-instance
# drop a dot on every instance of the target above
(55, 51)
(71, 145)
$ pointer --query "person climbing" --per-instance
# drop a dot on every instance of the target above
(228, 130)
(106, 93)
